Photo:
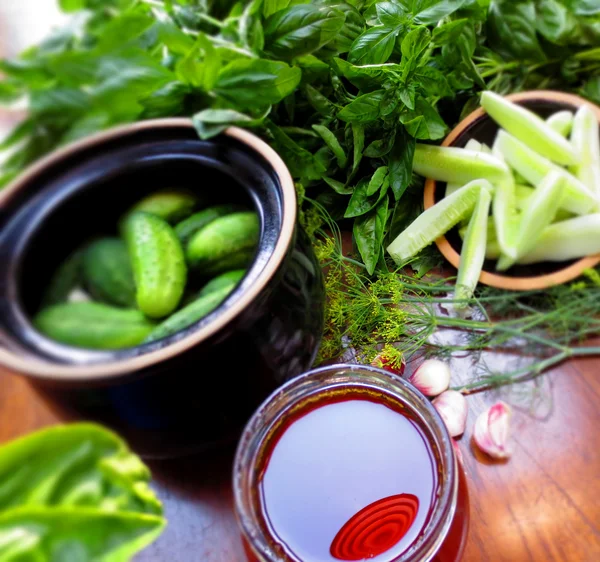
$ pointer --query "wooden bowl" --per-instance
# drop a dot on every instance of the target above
(480, 126)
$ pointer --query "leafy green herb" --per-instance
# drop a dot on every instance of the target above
(75, 492)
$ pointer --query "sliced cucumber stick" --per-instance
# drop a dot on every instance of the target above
(567, 240)
(586, 140)
(456, 165)
(534, 168)
(475, 146)
(473, 250)
(505, 216)
(436, 221)
(561, 122)
(537, 215)
(529, 128)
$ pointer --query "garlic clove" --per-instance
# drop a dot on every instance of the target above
(432, 377)
(452, 407)
(492, 430)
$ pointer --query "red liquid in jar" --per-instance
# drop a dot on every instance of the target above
(347, 478)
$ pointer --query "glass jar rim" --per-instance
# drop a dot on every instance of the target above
(245, 472)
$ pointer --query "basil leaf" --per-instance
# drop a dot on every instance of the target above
(211, 122)
(272, 6)
(585, 7)
(301, 30)
(75, 492)
(254, 83)
(433, 82)
(391, 14)
(377, 180)
(555, 22)
(360, 202)
(448, 32)
(200, 72)
(363, 109)
(432, 11)
(374, 46)
(512, 29)
(424, 122)
(354, 25)
(71, 5)
(381, 147)
(358, 138)
(333, 144)
(368, 232)
(301, 163)
(365, 77)
(319, 102)
(338, 186)
(400, 163)
(415, 42)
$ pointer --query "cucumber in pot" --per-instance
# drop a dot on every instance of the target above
(457, 165)
(436, 221)
(192, 313)
(567, 240)
(107, 272)
(223, 280)
(171, 205)
(187, 228)
(93, 325)
(529, 128)
(505, 216)
(226, 243)
(68, 276)
(586, 140)
(473, 250)
(158, 264)
(561, 122)
(534, 168)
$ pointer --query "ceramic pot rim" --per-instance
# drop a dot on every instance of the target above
(38, 368)
(506, 281)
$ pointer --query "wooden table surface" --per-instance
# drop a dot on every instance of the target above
(541, 506)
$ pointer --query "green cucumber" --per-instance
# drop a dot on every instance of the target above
(93, 325)
(171, 205)
(68, 276)
(505, 216)
(192, 313)
(585, 137)
(473, 145)
(158, 264)
(529, 128)
(472, 254)
(223, 280)
(567, 240)
(537, 215)
(534, 168)
(107, 272)
(187, 228)
(226, 243)
(457, 165)
(561, 122)
(436, 221)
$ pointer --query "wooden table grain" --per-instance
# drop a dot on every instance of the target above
(541, 506)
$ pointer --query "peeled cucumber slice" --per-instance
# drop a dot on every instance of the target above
(436, 221)
(473, 145)
(457, 165)
(561, 122)
(585, 138)
(534, 168)
(505, 216)
(567, 240)
(473, 250)
(529, 128)
(537, 215)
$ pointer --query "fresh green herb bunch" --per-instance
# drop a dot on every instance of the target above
(340, 89)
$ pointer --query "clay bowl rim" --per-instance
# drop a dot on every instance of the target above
(496, 280)
(39, 368)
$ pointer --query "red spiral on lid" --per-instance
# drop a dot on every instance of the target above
(376, 528)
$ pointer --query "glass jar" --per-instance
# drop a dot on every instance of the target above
(444, 532)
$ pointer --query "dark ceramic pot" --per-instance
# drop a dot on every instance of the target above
(196, 388)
